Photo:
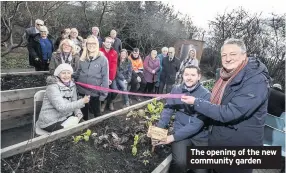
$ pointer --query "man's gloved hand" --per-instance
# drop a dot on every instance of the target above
(138, 79)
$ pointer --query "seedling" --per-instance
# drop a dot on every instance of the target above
(145, 162)
(134, 146)
(84, 136)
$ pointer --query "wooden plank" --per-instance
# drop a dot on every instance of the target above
(17, 104)
(25, 73)
(41, 140)
(16, 122)
(11, 95)
(164, 166)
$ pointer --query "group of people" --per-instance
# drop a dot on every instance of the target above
(100, 62)
(233, 114)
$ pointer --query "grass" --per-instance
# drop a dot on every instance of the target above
(18, 58)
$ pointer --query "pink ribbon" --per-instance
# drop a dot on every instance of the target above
(99, 88)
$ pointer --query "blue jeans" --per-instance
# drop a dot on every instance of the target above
(123, 87)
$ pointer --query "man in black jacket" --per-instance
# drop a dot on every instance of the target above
(170, 66)
(276, 102)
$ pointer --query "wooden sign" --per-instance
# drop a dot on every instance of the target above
(157, 133)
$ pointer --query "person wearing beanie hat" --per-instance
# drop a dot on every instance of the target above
(60, 103)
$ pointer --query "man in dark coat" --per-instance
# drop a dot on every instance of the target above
(170, 66)
(30, 33)
(239, 100)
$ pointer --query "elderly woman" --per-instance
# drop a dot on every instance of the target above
(64, 35)
(190, 60)
(42, 47)
(123, 74)
(60, 100)
(78, 40)
(238, 104)
(93, 70)
(65, 54)
(151, 68)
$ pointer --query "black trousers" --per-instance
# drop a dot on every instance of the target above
(149, 87)
(134, 83)
(41, 65)
(93, 106)
(54, 127)
(168, 87)
(179, 156)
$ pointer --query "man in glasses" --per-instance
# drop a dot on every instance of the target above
(170, 66)
(30, 33)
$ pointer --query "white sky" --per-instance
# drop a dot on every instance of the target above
(203, 10)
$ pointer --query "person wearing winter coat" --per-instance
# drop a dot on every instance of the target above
(190, 127)
(138, 82)
(60, 100)
(117, 44)
(190, 60)
(170, 66)
(239, 99)
(64, 35)
(30, 33)
(112, 58)
(123, 74)
(151, 68)
(93, 70)
(161, 57)
(41, 49)
(65, 54)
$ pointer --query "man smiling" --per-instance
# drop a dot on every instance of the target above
(189, 127)
(239, 99)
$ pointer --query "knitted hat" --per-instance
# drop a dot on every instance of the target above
(61, 68)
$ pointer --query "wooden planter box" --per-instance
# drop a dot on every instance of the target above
(42, 140)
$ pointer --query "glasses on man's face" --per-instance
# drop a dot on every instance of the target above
(170, 52)
(40, 24)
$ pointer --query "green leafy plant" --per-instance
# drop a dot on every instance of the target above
(85, 136)
(209, 84)
(147, 153)
(145, 162)
(155, 107)
(134, 146)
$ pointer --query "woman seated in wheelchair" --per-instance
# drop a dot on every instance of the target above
(60, 107)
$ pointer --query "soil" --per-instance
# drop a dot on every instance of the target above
(11, 82)
(110, 151)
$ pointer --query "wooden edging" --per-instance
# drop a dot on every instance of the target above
(25, 73)
(18, 94)
(164, 166)
(41, 140)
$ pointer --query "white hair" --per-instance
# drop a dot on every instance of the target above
(39, 21)
(238, 42)
(165, 48)
(44, 28)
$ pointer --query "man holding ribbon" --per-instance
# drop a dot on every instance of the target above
(190, 128)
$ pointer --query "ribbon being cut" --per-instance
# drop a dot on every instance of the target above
(99, 88)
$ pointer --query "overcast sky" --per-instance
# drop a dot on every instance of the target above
(203, 10)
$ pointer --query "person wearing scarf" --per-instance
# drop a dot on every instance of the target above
(190, 60)
(239, 99)
(60, 100)
(65, 54)
(190, 128)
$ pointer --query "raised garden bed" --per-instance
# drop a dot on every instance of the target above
(109, 150)
(21, 80)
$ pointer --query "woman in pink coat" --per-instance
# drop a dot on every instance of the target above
(151, 69)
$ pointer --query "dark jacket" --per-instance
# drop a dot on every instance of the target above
(187, 122)
(35, 47)
(276, 102)
(239, 120)
(124, 70)
(169, 70)
(117, 45)
(93, 72)
(56, 61)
